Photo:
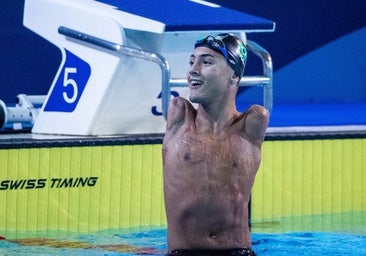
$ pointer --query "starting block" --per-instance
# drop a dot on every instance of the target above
(122, 63)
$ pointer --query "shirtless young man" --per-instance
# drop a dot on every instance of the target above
(211, 155)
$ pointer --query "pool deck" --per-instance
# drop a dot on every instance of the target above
(31, 140)
(287, 122)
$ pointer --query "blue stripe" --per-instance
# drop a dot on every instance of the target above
(184, 15)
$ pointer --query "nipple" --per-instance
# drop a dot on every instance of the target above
(212, 235)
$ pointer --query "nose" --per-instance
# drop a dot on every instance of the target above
(194, 68)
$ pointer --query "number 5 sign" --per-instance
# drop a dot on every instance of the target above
(69, 85)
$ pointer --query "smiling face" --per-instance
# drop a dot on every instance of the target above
(209, 76)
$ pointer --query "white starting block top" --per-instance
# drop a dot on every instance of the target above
(108, 81)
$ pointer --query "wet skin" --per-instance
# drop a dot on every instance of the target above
(210, 157)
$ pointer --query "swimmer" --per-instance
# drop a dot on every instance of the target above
(211, 154)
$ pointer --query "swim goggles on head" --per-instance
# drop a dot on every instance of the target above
(235, 59)
(214, 44)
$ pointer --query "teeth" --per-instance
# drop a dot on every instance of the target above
(196, 82)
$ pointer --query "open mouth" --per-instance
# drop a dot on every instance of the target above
(193, 83)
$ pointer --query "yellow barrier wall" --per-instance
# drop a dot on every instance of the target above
(307, 177)
(40, 188)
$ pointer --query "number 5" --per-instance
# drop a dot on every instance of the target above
(70, 82)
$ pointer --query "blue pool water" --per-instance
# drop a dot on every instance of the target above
(153, 242)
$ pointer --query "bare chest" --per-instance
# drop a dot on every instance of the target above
(214, 151)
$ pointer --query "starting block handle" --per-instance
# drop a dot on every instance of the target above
(127, 51)
(267, 79)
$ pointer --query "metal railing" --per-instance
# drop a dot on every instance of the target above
(23, 114)
(265, 80)
(127, 51)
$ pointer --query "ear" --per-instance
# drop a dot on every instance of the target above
(234, 79)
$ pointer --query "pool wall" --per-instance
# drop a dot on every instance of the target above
(123, 188)
(99, 187)
(310, 177)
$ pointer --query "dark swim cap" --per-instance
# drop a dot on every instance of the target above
(231, 47)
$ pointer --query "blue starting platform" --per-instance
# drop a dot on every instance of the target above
(178, 16)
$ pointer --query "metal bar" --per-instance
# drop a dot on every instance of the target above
(35, 100)
(128, 51)
(267, 72)
(23, 114)
(245, 81)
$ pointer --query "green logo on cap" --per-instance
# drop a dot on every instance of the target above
(242, 52)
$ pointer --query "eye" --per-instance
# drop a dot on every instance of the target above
(207, 62)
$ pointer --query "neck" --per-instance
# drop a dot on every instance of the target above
(215, 118)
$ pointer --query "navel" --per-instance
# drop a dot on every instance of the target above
(187, 157)
(234, 164)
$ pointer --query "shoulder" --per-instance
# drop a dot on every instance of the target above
(179, 111)
(255, 123)
(178, 103)
(258, 112)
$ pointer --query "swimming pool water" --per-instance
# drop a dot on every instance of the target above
(314, 243)
(152, 242)
(331, 234)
